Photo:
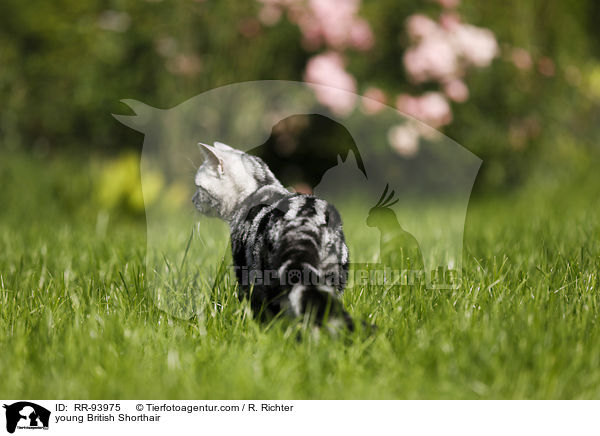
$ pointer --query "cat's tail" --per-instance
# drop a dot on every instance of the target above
(321, 304)
(303, 277)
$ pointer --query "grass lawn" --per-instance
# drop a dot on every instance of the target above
(76, 319)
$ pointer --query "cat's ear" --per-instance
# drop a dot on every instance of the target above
(212, 157)
(223, 147)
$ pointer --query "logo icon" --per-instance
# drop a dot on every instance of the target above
(26, 415)
(412, 236)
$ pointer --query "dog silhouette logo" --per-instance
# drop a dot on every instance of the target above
(26, 415)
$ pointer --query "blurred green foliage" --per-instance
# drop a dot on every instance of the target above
(66, 64)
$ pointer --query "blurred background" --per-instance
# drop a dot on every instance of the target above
(517, 83)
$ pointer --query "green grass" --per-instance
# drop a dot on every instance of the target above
(77, 319)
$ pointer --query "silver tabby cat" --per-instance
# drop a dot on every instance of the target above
(288, 249)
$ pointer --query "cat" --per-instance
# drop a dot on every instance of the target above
(288, 249)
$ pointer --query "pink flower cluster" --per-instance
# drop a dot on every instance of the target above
(440, 52)
(431, 108)
(336, 25)
(443, 51)
(333, 23)
(328, 69)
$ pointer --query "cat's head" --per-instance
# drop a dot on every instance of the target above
(226, 178)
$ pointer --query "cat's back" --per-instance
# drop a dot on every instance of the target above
(273, 221)
(280, 206)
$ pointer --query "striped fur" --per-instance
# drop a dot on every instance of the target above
(288, 249)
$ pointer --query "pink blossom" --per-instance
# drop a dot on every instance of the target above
(441, 51)
(435, 109)
(296, 11)
(374, 100)
(419, 26)
(431, 108)
(456, 90)
(335, 18)
(476, 45)
(333, 22)
(521, 58)
(311, 32)
(361, 36)
(449, 20)
(409, 105)
(284, 3)
(433, 58)
(546, 66)
(269, 14)
(184, 65)
(328, 69)
(404, 139)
